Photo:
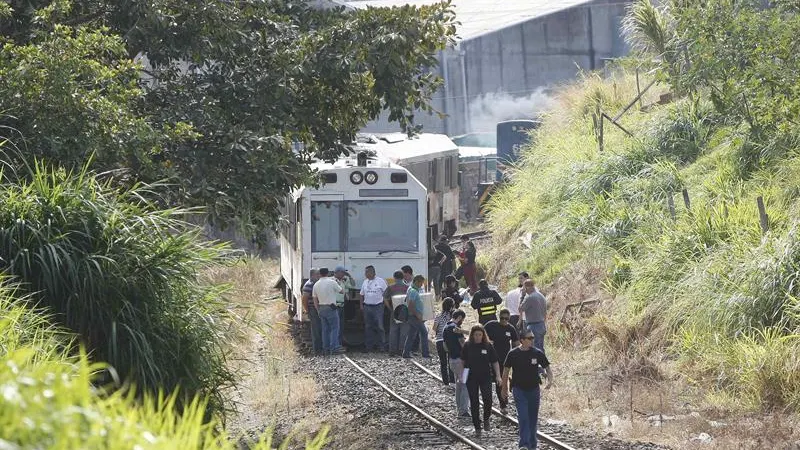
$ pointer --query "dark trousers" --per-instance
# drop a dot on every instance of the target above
(514, 322)
(435, 276)
(485, 319)
(316, 330)
(444, 365)
(498, 388)
(485, 387)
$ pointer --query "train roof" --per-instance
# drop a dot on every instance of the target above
(350, 161)
(469, 153)
(480, 17)
(401, 149)
(394, 150)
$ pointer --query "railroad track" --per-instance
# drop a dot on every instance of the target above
(439, 407)
(438, 424)
(552, 441)
(473, 235)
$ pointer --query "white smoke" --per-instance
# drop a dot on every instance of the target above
(488, 109)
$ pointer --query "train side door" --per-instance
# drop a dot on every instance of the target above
(327, 231)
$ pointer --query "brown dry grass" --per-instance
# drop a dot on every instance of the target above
(600, 374)
(261, 348)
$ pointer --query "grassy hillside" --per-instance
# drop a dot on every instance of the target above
(705, 289)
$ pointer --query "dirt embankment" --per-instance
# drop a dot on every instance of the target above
(634, 399)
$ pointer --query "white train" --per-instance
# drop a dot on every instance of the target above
(381, 206)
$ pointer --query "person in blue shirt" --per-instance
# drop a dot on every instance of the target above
(416, 323)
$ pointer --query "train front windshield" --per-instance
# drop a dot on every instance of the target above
(365, 226)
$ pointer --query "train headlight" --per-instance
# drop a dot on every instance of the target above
(356, 177)
(371, 177)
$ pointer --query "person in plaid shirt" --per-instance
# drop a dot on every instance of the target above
(438, 328)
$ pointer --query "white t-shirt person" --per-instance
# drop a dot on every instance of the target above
(373, 290)
(512, 301)
(325, 290)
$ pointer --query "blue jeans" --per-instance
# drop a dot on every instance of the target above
(341, 325)
(329, 317)
(398, 332)
(527, 414)
(373, 327)
(316, 330)
(416, 328)
(538, 329)
(462, 395)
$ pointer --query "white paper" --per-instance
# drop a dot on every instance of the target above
(464, 375)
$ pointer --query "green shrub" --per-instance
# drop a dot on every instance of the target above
(707, 286)
(121, 274)
(52, 400)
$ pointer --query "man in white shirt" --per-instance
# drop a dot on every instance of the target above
(512, 301)
(372, 290)
(325, 293)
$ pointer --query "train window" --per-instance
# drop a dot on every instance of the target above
(329, 178)
(448, 172)
(326, 226)
(283, 207)
(374, 225)
(491, 170)
(399, 177)
(433, 171)
(454, 175)
(299, 221)
(383, 192)
(291, 217)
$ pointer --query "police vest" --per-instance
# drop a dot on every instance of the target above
(488, 308)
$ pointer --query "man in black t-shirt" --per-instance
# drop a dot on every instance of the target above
(525, 362)
(504, 337)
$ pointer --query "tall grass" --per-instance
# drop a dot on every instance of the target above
(122, 275)
(705, 286)
(52, 400)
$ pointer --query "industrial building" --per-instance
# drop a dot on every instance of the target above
(509, 52)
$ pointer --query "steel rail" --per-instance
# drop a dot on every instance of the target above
(476, 235)
(471, 234)
(546, 438)
(455, 434)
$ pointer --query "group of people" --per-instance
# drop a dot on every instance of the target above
(511, 337)
(442, 263)
(472, 359)
(323, 302)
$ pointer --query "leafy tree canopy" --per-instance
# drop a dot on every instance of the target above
(229, 100)
(743, 53)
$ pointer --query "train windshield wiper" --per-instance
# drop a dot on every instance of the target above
(383, 252)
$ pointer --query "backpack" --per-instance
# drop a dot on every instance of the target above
(401, 313)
